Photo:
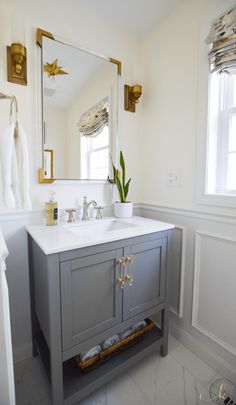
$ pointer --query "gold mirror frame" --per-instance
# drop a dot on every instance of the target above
(39, 40)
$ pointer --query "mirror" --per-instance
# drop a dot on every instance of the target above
(79, 111)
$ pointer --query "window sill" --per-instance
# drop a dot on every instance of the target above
(218, 200)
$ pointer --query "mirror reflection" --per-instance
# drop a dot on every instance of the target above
(79, 112)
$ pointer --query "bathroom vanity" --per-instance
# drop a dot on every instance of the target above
(89, 282)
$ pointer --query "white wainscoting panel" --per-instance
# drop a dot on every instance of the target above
(214, 297)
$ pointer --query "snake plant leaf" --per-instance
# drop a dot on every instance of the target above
(119, 179)
(126, 188)
(120, 189)
(122, 165)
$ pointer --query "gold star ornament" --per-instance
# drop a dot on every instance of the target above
(52, 69)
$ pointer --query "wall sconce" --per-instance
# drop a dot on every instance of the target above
(132, 95)
(17, 64)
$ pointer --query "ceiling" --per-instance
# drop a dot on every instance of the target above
(135, 16)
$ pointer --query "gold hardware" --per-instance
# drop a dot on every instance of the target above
(130, 259)
(119, 65)
(39, 36)
(17, 64)
(121, 261)
(129, 279)
(53, 69)
(121, 281)
(132, 95)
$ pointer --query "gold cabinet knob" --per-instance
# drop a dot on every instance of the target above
(121, 281)
(130, 259)
(121, 262)
(129, 279)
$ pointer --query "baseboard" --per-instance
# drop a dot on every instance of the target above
(214, 361)
(22, 353)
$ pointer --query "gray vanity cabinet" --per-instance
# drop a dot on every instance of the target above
(81, 297)
(148, 272)
(91, 299)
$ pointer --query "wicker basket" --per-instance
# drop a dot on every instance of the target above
(92, 362)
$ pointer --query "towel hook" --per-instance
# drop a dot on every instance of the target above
(14, 103)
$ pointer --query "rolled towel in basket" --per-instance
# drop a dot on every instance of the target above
(90, 353)
(139, 325)
(110, 342)
(126, 333)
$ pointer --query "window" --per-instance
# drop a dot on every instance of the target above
(221, 150)
(95, 156)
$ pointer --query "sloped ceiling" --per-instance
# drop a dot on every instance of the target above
(135, 16)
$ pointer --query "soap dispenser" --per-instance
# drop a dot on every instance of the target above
(51, 209)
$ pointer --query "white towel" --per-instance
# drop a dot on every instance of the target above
(21, 178)
(90, 353)
(6, 158)
(15, 168)
(3, 252)
(110, 342)
(7, 389)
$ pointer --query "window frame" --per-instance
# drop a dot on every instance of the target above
(201, 197)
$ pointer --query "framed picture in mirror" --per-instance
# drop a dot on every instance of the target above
(48, 164)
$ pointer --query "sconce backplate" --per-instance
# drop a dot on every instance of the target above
(17, 65)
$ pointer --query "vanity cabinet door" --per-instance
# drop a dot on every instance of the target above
(148, 272)
(91, 297)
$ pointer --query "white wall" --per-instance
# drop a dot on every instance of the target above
(173, 99)
(80, 26)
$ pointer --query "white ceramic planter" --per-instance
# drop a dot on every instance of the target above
(123, 210)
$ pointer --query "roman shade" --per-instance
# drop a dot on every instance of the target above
(222, 41)
(95, 119)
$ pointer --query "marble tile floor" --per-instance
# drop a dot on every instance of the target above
(181, 378)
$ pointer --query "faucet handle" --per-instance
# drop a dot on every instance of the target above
(70, 216)
(99, 214)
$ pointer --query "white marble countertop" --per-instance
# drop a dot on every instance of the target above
(64, 237)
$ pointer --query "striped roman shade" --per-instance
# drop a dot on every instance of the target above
(222, 41)
(95, 119)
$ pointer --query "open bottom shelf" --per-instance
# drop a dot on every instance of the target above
(78, 385)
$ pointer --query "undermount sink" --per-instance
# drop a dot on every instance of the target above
(103, 226)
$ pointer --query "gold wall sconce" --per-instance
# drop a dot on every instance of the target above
(17, 64)
(132, 95)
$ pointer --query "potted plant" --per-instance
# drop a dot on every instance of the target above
(122, 208)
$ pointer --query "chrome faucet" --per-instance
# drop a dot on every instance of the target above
(86, 206)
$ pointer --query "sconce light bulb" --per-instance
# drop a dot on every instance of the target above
(136, 92)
